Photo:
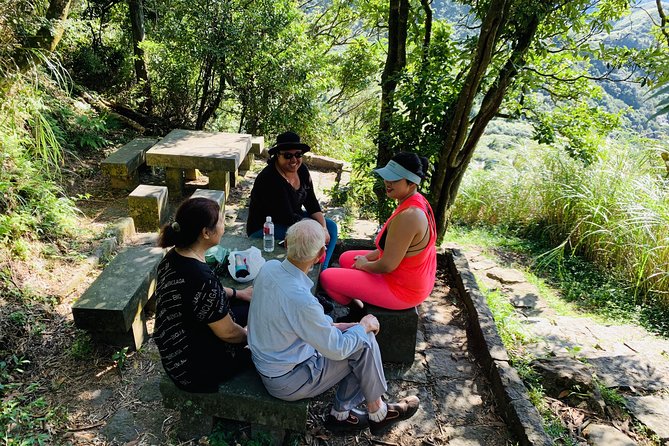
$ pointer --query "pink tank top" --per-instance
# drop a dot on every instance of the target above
(414, 278)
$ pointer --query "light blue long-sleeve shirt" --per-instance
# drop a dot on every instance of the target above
(287, 326)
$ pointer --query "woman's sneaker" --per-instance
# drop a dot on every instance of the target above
(399, 411)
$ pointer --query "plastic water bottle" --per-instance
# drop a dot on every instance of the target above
(268, 235)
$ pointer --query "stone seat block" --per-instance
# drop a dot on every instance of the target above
(242, 398)
(216, 195)
(111, 309)
(257, 144)
(121, 166)
(397, 337)
(148, 207)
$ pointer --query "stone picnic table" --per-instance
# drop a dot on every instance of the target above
(234, 242)
(183, 152)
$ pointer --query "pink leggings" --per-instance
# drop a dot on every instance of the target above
(345, 283)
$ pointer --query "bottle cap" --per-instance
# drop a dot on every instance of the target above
(268, 218)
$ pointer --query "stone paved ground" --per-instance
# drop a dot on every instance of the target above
(624, 357)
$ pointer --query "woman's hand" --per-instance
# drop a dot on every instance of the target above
(360, 262)
(327, 235)
(245, 294)
(373, 255)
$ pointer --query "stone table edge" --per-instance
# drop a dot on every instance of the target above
(510, 392)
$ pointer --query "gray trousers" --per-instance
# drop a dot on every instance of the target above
(360, 378)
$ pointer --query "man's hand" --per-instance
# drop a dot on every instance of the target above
(370, 323)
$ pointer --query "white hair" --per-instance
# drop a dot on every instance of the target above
(304, 239)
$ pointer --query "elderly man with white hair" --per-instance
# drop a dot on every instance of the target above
(300, 353)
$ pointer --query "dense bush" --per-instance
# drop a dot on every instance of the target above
(31, 202)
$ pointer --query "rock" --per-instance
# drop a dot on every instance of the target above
(630, 371)
(464, 399)
(505, 275)
(481, 265)
(569, 379)
(443, 363)
(488, 435)
(524, 295)
(653, 411)
(602, 434)
(150, 390)
(121, 428)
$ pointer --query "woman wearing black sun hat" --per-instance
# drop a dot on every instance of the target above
(284, 191)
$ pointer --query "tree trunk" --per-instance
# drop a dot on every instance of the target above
(51, 32)
(395, 63)
(460, 141)
(416, 116)
(46, 38)
(208, 106)
(136, 9)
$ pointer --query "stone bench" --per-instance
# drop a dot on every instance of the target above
(112, 308)
(242, 398)
(257, 146)
(147, 205)
(216, 195)
(122, 166)
(397, 337)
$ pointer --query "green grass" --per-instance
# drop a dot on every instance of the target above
(571, 285)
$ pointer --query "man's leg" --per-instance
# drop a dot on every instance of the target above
(367, 380)
(360, 377)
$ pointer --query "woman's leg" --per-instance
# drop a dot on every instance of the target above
(344, 284)
(333, 231)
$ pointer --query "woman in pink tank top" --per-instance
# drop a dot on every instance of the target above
(401, 271)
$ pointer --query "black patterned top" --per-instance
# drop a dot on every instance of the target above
(189, 297)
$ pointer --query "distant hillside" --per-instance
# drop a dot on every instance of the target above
(632, 31)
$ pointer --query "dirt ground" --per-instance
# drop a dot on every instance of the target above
(107, 396)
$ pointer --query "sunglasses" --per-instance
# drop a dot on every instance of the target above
(289, 155)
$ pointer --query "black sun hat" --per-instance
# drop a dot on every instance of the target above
(288, 141)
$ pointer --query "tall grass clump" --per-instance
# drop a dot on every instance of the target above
(613, 212)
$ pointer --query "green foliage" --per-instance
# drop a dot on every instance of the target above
(82, 347)
(612, 212)
(611, 396)
(31, 203)
(25, 418)
(509, 327)
(119, 357)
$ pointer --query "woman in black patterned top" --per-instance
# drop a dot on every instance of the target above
(200, 325)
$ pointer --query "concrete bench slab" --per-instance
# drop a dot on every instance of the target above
(111, 309)
(121, 166)
(216, 195)
(397, 337)
(148, 207)
(242, 398)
